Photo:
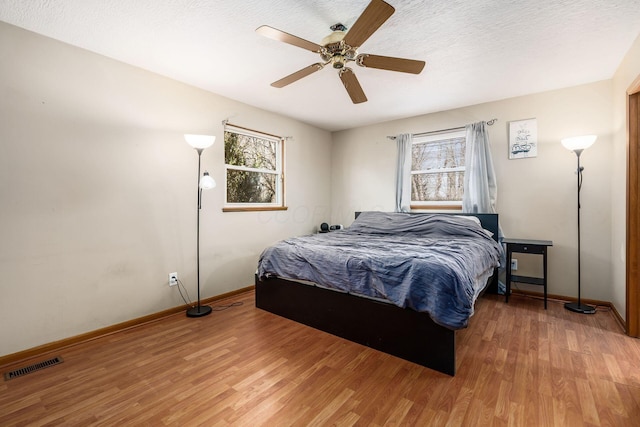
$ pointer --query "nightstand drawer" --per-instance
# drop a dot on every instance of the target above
(527, 248)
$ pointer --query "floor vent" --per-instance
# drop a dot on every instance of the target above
(32, 368)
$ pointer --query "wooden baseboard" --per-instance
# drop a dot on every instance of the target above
(57, 345)
(559, 297)
(619, 318)
(563, 298)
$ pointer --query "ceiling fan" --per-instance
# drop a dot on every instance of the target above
(341, 47)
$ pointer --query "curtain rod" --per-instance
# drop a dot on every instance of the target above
(226, 123)
(489, 123)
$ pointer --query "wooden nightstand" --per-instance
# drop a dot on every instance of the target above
(525, 246)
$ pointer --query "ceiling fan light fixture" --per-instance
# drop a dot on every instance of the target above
(338, 62)
(351, 54)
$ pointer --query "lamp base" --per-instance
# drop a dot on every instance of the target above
(580, 308)
(200, 311)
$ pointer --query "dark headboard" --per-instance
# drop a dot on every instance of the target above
(488, 221)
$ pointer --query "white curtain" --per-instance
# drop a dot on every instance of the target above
(480, 186)
(403, 173)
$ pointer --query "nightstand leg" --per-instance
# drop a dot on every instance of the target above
(544, 264)
(508, 278)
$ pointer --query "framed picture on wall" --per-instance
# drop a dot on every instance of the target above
(523, 139)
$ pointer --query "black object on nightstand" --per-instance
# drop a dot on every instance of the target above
(525, 246)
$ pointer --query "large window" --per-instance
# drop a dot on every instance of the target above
(437, 170)
(253, 164)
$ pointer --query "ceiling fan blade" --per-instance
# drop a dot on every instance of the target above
(371, 19)
(390, 63)
(352, 85)
(297, 75)
(275, 34)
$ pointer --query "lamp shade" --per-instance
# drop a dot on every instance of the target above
(200, 141)
(207, 182)
(578, 142)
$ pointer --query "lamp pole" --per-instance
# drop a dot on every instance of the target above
(580, 143)
(200, 142)
(198, 310)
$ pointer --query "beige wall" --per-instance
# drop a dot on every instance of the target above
(536, 196)
(628, 71)
(98, 196)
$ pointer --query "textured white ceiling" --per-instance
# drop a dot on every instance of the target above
(476, 50)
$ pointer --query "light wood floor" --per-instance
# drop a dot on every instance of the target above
(517, 365)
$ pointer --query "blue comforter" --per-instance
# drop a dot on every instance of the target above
(430, 263)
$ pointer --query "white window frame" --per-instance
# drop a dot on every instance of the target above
(279, 203)
(433, 137)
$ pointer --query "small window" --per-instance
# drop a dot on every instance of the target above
(437, 170)
(253, 166)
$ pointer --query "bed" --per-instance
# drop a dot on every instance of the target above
(397, 282)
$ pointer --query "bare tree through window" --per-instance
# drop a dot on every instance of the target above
(253, 167)
(437, 168)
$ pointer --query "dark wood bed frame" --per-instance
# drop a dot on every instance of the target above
(401, 332)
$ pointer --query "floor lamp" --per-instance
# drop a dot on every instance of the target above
(578, 144)
(200, 142)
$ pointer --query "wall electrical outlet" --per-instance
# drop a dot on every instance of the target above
(514, 264)
(173, 279)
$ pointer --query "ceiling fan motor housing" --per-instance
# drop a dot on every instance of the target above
(334, 38)
(336, 51)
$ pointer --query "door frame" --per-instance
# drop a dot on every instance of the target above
(633, 211)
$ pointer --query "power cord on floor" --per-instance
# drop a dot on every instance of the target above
(224, 307)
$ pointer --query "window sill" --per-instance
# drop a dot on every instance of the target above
(436, 208)
(255, 209)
